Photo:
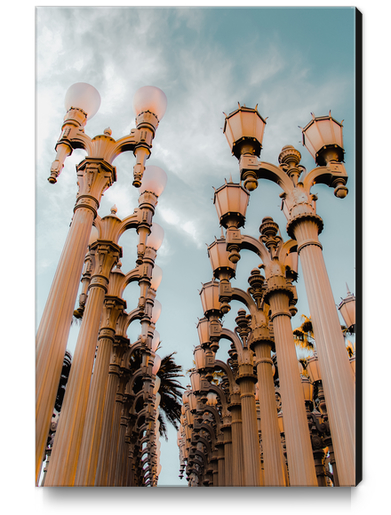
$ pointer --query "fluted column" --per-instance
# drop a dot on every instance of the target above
(237, 441)
(88, 456)
(215, 473)
(251, 451)
(121, 456)
(220, 460)
(92, 431)
(273, 459)
(66, 448)
(115, 434)
(108, 429)
(337, 376)
(298, 443)
(226, 429)
(94, 176)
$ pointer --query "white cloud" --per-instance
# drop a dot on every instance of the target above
(181, 222)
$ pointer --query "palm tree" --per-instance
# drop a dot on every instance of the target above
(304, 337)
(304, 334)
(170, 393)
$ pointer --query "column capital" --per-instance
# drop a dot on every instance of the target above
(299, 219)
(112, 308)
(246, 372)
(94, 176)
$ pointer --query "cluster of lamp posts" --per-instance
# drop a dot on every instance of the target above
(233, 432)
(250, 420)
(108, 429)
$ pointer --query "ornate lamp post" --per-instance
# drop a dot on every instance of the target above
(66, 459)
(95, 174)
(323, 138)
(279, 294)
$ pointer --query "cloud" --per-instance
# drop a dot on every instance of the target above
(183, 224)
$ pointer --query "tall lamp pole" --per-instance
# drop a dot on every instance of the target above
(94, 175)
(323, 138)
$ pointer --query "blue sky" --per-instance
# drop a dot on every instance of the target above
(33, 91)
(290, 62)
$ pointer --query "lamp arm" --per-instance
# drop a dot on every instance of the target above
(130, 222)
(331, 175)
(258, 317)
(215, 414)
(285, 249)
(275, 174)
(244, 298)
(133, 275)
(125, 320)
(256, 246)
(233, 338)
(125, 144)
(208, 429)
(213, 388)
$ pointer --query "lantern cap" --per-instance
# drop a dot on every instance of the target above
(231, 201)
(323, 138)
(244, 129)
(219, 259)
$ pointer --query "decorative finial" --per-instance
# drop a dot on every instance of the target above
(113, 210)
(108, 132)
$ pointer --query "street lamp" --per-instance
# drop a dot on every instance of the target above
(323, 137)
(95, 174)
(270, 301)
(244, 130)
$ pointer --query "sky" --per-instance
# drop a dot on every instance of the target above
(290, 62)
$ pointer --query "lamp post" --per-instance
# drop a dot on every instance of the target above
(278, 293)
(211, 295)
(95, 174)
(66, 457)
(323, 138)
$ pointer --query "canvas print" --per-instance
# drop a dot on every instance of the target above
(198, 247)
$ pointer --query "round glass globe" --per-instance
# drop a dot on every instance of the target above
(155, 239)
(156, 279)
(157, 385)
(150, 98)
(154, 180)
(155, 341)
(157, 309)
(83, 96)
(156, 366)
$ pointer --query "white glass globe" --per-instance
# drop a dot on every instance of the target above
(157, 309)
(157, 385)
(154, 180)
(155, 341)
(156, 366)
(83, 96)
(155, 239)
(150, 98)
(156, 279)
